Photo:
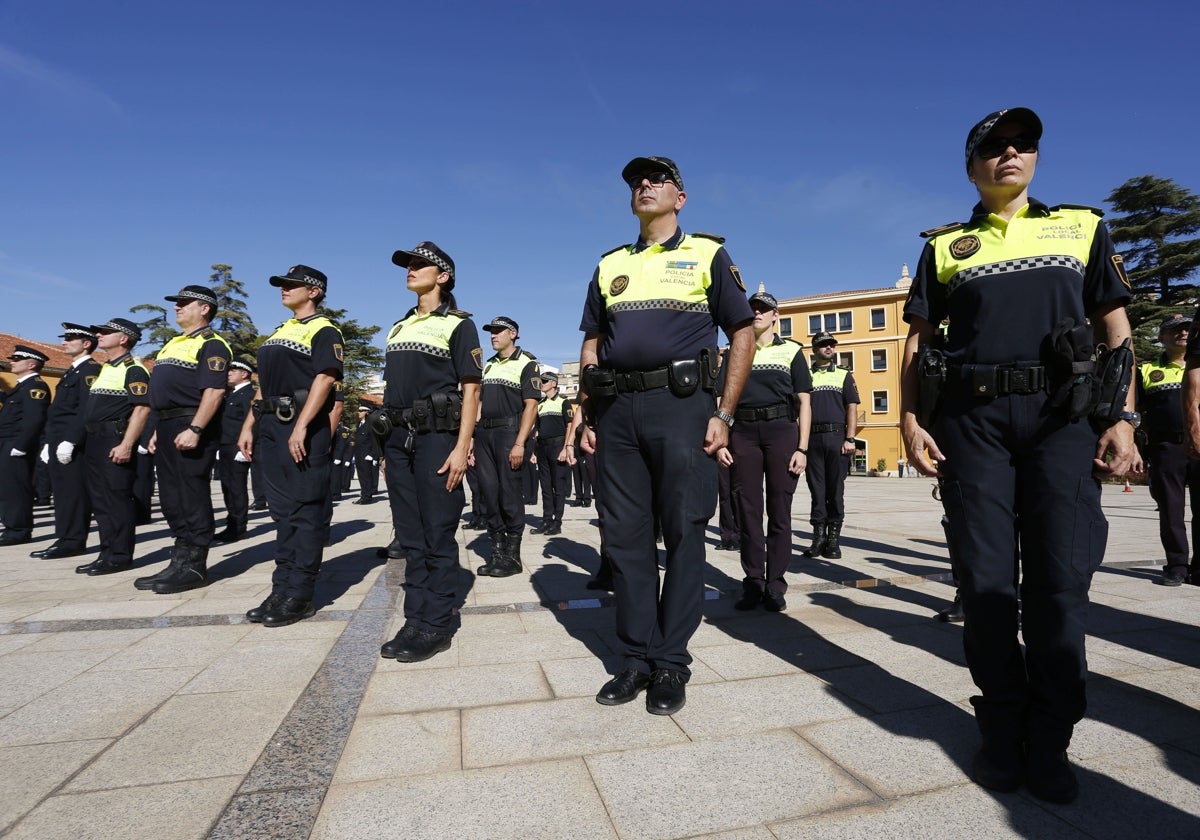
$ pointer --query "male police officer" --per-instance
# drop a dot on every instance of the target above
(22, 416)
(366, 458)
(649, 360)
(1172, 473)
(834, 425)
(187, 391)
(232, 465)
(553, 417)
(509, 394)
(63, 452)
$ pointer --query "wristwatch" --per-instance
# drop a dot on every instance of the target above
(196, 429)
(1132, 418)
(727, 419)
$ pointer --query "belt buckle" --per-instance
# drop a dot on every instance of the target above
(285, 409)
(1018, 381)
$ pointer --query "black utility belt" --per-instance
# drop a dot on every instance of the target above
(770, 412)
(285, 409)
(986, 381)
(172, 413)
(117, 427)
(681, 377)
(818, 428)
(436, 413)
(499, 422)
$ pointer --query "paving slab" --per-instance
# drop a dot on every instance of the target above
(394, 690)
(30, 773)
(399, 746)
(745, 706)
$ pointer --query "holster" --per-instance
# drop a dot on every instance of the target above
(931, 382)
(600, 383)
(1114, 368)
(1069, 354)
(683, 377)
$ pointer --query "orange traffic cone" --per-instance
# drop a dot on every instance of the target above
(1127, 489)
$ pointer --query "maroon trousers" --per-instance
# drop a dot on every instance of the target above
(761, 450)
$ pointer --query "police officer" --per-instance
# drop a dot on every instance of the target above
(289, 430)
(1014, 447)
(768, 446)
(22, 418)
(1172, 474)
(63, 452)
(553, 416)
(834, 425)
(366, 458)
(509, 397)
(187, 393)
(649, 360)
(118, 407)
(431, 399)
(232, 465)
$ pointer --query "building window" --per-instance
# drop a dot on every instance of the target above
(879, 402)
(785, 327)
(845, 321)
(879, 360)
(830, 322)
(814, 324)
(846, 360)
(878, 319)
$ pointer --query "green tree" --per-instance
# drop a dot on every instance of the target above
(1157, 225)
(362, 359)
(156, 330)
(232, 320)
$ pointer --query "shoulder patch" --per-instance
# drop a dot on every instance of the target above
(1118, 264)
(614, 250)
(1095, 210)
(718, 239)
(139, 389)
(216, 363)
(737, 277)
(477, 355)
(925, 234)
(88, 380)
(338, 352)
(37, 393)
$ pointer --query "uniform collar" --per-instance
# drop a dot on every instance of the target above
(239, 387)
(1033, 208)
(84, 358)
(516, 354)
(1165, 361)
(671, 244)
(831, 364)
(443, 310)
(29, 375)
(118, 360)
(199, 330)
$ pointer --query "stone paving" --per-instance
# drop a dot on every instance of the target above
(128, 714)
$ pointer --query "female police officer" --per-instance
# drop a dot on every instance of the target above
(769, 443)
(432, 353)
(1017, 468)
(298, 369)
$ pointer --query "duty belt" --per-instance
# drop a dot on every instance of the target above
(771, 412)
(285, 409)
(828, 427)
(499, 422)
(117, 426)
(641, 380)
(998, 380)
(170, 413)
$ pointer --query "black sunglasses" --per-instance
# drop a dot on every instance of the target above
(656, 179)
(996, 146)
(416, 264)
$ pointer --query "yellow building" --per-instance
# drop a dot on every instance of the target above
(870, 331)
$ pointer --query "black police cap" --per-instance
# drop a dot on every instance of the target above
(982, 129)
(304, 275)
(654, 163)
(190, 293)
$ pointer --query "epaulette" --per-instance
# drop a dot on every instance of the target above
(720, 240)
(1095, 210)
(128, 362)
(461, 313)
(207, 332)
(925, 234)
(614, 250)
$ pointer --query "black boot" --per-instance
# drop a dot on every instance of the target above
(954, 612)
(147, 583)
(496, 560)
(511, 563)
(187, 572)
(831, 550)
(751, 596)
(818, 541)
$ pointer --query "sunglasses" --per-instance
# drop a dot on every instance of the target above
(996, 146)
(656, 180)
(416, 264)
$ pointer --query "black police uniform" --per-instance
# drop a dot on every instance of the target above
(343, 454)
(762, 441)
(22, 417)
(651, 305)
(1172, 474)
(144, 479)
(505, 386)
(187, 366)
(833, 391)
(366, 462)
(554, 415)
(1018, 482)
(235, 473)
(427, 356)
(122, 385)
(297, 493)
(65, 424)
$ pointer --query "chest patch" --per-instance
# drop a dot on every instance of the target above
(1157, 376)
(964, 246)
(618, 285)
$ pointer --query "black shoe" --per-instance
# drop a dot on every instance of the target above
(752, 596)
(14, 538)
(86, 567)
(774, 603)
(999, 767)
(953, 613)
(420, 646)
(668, 692)
(555, 528)
(60, 552)
(41, 553)
(288, 612)
(393, 551)
(108, 567)
(259, 506)
(147, 583)
(622, 688)
(229, 536)
(604, 584)
(274, 600)
(1173, 577)
(586, 503)
(540, 529)
(1051, 778)
(400, 642)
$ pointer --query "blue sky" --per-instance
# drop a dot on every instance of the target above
(144, 141)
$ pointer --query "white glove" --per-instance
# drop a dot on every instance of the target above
(336, 462)
(368, 459)
(240, 458)
(44, 455)
(65, 452)
(143, 450)
(16, 453)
